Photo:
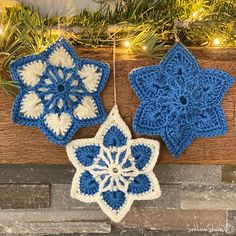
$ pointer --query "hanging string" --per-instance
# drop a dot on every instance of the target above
(114, 70)
(177, 40)
(59, 23)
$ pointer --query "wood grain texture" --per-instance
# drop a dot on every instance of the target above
(20, 144)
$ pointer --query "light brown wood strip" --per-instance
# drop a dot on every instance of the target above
(19, 144)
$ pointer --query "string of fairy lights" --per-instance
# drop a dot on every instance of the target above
(195, 16)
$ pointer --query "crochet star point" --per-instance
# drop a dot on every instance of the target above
(180, 101)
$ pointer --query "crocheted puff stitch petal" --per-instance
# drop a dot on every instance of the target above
(58, 92)
(180, 101)
(112, 169)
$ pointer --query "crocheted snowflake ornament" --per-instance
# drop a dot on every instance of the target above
(180, 101)
(59, 92)
(114, 170)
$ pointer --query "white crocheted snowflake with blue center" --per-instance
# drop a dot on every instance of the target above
(59, 92)
(114, 170)
(180, 101)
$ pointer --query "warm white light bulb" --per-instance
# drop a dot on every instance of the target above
(144, 48)
(195, 14)
(198, 13)
(216, 42)
(126, 43)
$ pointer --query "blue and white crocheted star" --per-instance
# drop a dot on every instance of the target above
(59, 92)
(112, 169)
(180, 101)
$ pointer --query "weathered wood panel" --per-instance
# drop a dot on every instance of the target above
(20, 144)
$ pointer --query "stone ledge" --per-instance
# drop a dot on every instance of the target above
(50, 215)
(16, 196)
(229, 174)
(170, 219)
(42, 228)
(208, 197)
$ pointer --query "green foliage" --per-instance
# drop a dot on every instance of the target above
(148, 25)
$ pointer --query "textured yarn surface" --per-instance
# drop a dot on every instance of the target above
(180, 101)
(59, 92)
(114, 170)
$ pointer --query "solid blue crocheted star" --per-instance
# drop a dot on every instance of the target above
(180, 101)
(59, 92)
(114, 170)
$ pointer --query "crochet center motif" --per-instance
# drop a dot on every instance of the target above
(59, 92)
(180, 101)
(112, 169)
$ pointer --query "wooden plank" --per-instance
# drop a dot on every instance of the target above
(19, 144)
